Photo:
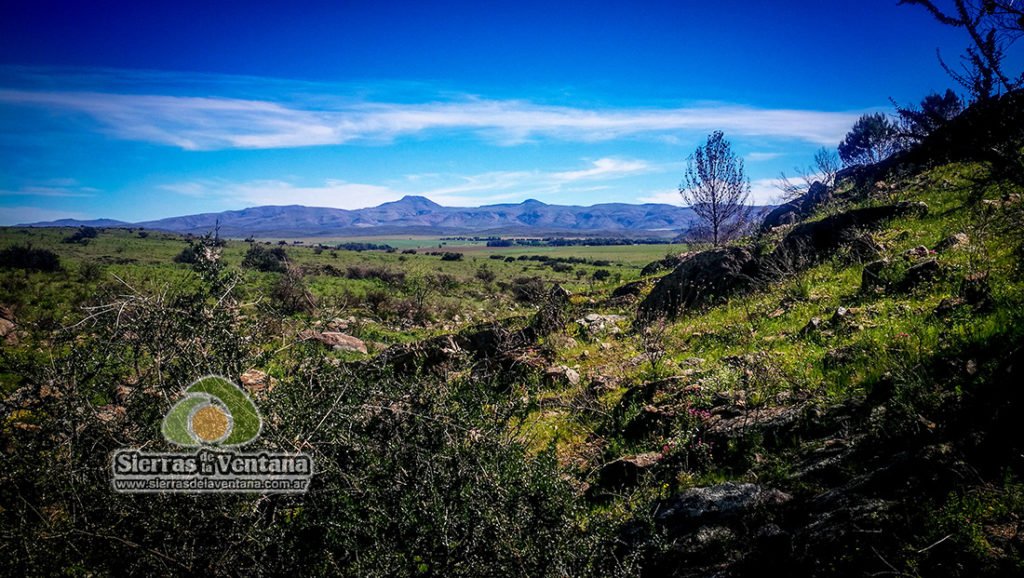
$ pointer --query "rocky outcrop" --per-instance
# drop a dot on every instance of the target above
(799, 208)
(713, 275)
(703, 278)
(669, 262)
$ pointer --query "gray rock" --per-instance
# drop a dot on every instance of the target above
(699, 506)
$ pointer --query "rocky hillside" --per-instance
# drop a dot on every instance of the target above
(837, 396)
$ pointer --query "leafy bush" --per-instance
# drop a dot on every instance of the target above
(267, 260)
(449, 256)
(25, 257)
(82, 235)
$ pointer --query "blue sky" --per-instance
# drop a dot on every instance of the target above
(141, 110)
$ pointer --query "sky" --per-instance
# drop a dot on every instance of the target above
(143, 110)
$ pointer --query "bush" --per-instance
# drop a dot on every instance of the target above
(602, 275)
(267, 260)
(448, 256)
(528, 289)
(82, 235)
(25, 257)
(387, 276)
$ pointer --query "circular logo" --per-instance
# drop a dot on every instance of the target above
(214, 411)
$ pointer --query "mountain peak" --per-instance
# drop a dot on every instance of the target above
(418, 201)
(534, 202)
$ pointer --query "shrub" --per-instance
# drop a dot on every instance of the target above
(449, 256)
(528, 289)
(25, 257)
(267, 260)
(82, 235)
(602, 275)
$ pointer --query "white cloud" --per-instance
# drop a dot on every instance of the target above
(449, 190)
(209, 123)
(761, 156)
(20, 215)
(762, 192)
(331, 193)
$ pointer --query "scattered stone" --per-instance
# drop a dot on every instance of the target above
(920, 273)
(594, 325)
(919, 251)
(257, 381)
(625, 471)
(110, 413)
(335, 339)
(562, 374)
(8, 332)
(698, 506)
(948, 305)
(871, 278)
(813, 326)
(841, 315)
(952, 242)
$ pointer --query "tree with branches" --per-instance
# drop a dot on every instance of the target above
(716, 188)
(873, 138)
(826, 166)
(993, 25)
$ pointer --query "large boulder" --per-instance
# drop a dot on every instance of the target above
(703, 278)
(798, 209)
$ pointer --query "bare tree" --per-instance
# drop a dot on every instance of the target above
(717, 189)
(993, 26)
(826, 166)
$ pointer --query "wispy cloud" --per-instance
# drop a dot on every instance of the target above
(761, 156)
(762, 192)
(19, 215)
(446, 189)
(210, 123)
(51, 188)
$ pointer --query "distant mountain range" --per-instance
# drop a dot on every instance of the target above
(414, 215)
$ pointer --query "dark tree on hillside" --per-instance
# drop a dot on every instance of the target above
(716, 188)
(993, 25)
(873, 138)
(934, 111)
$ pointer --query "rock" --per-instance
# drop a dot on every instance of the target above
(8, 332)
(976, 290)
(813, 326)
(669, 262)
(257, 382)
(814, 241)
(562, 374)
(625, 471)
(948, 305)
(918, 251)
(335, 339)
(952, 242)
(841, 316)
(871, 278)
(798, 209)
(703, 278)
(920, 273)
(594, 325)
(699, 506)
(632, 289)
(110, 413)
